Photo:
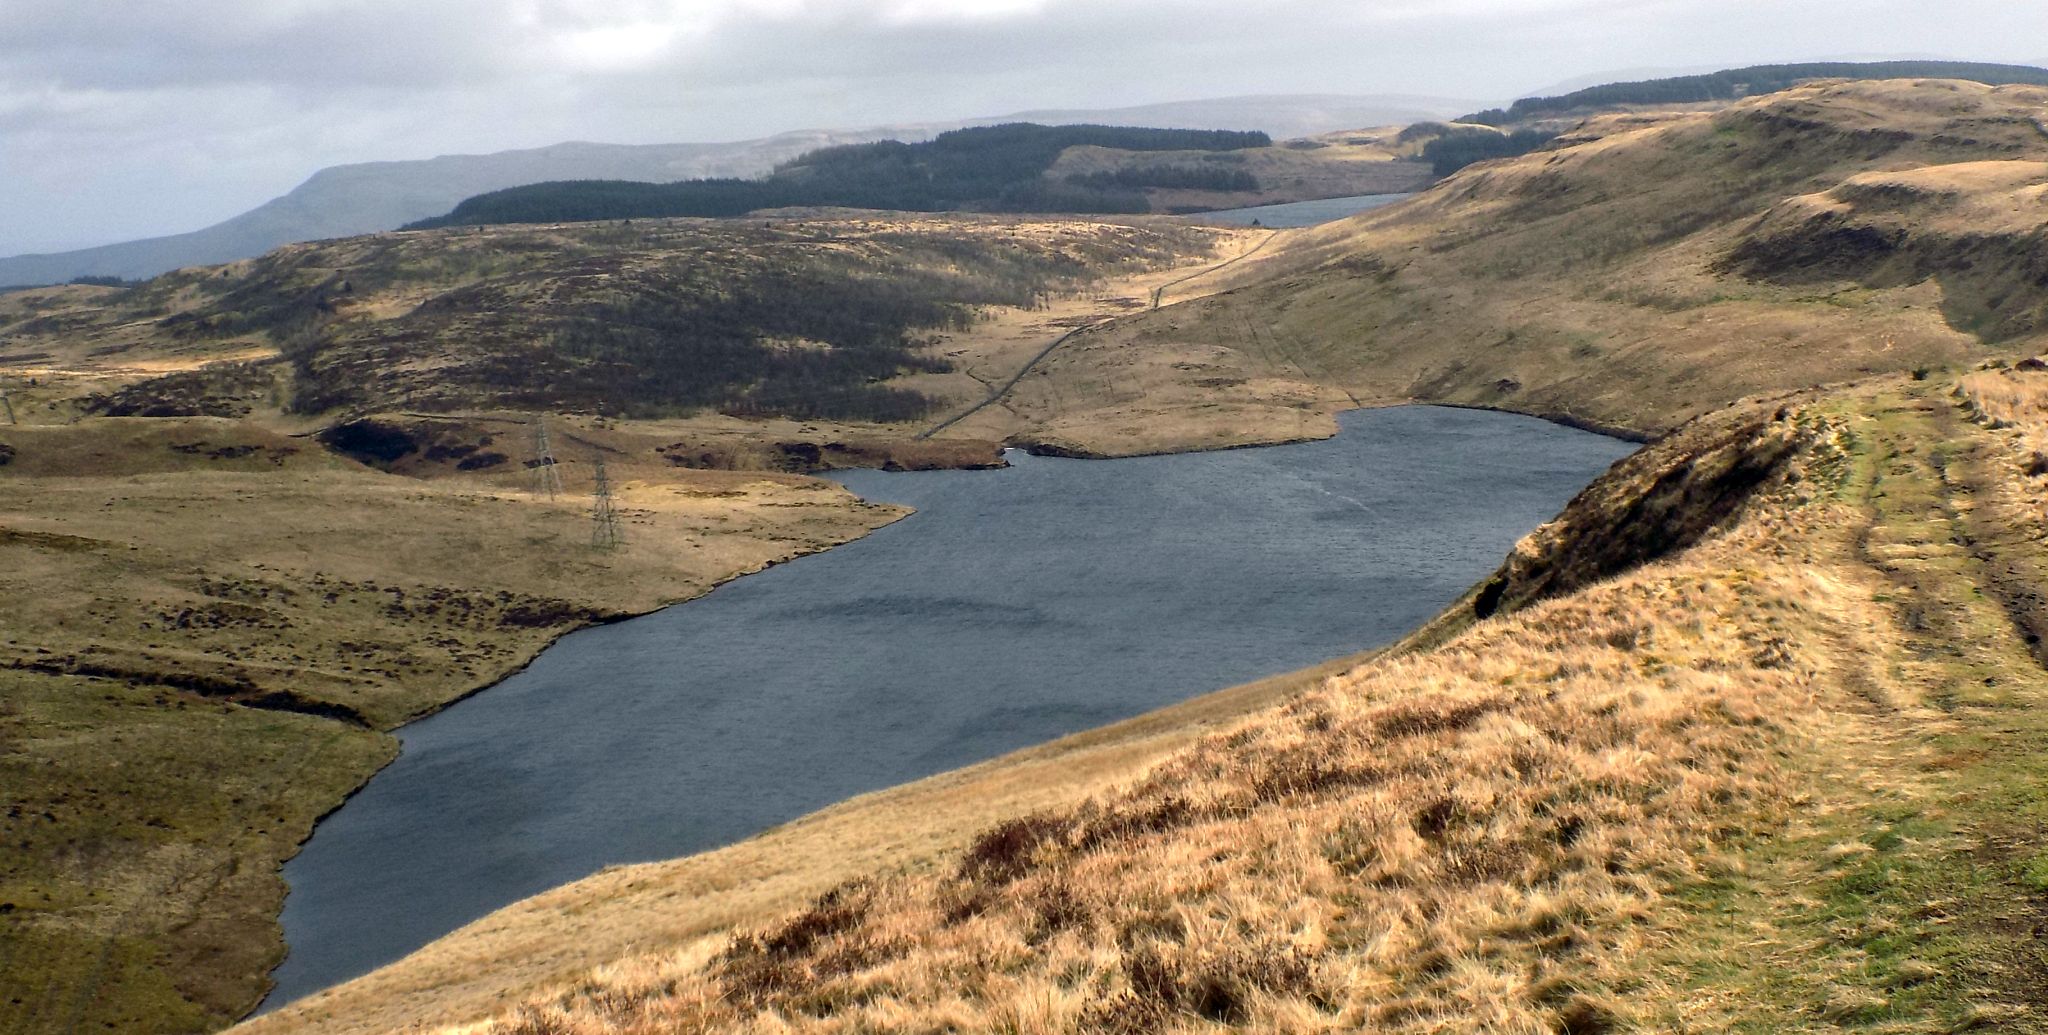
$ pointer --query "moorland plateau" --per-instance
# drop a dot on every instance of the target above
(1749, 738)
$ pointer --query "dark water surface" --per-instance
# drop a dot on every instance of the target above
(1301, 213)
(1014, 607)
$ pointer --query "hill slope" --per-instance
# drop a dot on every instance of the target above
(1639, 271)
(1775, 765)
(1755, 80)
(800, 318)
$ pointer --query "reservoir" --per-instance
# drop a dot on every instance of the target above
(1014, 607)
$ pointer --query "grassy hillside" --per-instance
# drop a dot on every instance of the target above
(1745, 741)
(789, 317)
(1755, 80)
(208, 629)
(1641, 270)
(229, 575)
(1773, 765)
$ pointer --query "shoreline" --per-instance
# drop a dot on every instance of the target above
(263, 1005)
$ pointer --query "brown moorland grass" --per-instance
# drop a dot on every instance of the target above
(211, 620)
(1651, 267)
(207, 629)
(1644, 269)
(1787, 779)
(2017, 400)
(654, 318)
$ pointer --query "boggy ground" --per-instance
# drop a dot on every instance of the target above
(1786, 776)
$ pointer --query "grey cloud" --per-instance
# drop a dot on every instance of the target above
(120, 118)
(217, 42)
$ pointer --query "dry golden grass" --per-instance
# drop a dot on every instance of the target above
(1457, 840)
(1732, 790)
(205, 629)
(2015, 399)
(1649, 269)
(553, 937)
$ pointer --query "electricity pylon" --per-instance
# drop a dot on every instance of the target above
(546, 478)
(604, 520)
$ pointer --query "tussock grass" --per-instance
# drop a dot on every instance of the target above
(2016, 399)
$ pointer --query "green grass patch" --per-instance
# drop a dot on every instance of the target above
(141, 830)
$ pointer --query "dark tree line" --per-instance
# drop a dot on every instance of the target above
(992, 168)
(1454, 151)
(1751, 81)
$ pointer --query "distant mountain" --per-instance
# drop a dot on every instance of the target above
(372, 196)
(345, 200)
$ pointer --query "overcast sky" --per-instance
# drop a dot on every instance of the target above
(130, 118)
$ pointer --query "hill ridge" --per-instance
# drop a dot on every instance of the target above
(292, 217)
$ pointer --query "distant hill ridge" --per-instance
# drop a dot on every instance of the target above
(368, 197)
(346, 200)
(990, 168)
(1754, 80)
